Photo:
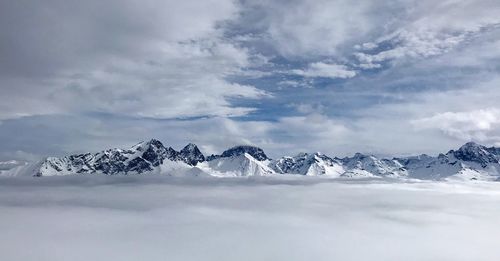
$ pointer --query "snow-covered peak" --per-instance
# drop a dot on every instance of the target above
(314, 164)
(494, 151)
(191, 154)
(474, 152)
(190, 147)
(471, 161)
(371, 165)
(471, 145)
(144, 145)
(255, 152)
(237, 165)
(143, 157)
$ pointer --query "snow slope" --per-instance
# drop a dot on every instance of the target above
(470, 162)
(242, 165)
(309, 165)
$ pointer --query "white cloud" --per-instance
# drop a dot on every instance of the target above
(306, 83)
(469, 125)
(369, 65)
(432, 121)
(168, 59)
(327, 70)
(308, 133)
(309, 28)
(414, 45)
(162, 218)
(161, 59)
(428, 29)
(63, 135)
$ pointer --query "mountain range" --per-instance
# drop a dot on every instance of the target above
(471, 161)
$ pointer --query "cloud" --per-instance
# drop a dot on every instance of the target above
(307, 28)
(305, 83)
(310, 132)
(432, 121)
(68, 134)
(160, 59)
(63, 135)
(272, 219)
(428, 29)
(470, 125)
(80, 76)
(327, 70)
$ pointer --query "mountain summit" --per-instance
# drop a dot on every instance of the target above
(191, 154)
(255, 152)
(471, 161)
(475, 153)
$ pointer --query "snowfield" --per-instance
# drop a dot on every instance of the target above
(157, 217)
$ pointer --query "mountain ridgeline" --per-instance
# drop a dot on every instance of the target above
(470, 162)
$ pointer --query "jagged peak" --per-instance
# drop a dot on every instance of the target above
(152, 155)
(145, 144)
(474, 152)
(191, 154)
(359, 155)
(306, 155)
(253, 151)
(190, 147)
(471, 146)
(494, 150)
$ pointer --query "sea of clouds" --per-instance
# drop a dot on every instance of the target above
(166, 218)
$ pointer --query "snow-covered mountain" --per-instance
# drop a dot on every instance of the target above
(308, 164)
(238, 161)
(191, 154)
(150, 156)
(361, 165)
(470, 162)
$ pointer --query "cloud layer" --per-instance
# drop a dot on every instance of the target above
(157, 218)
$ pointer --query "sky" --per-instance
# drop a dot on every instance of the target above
(395, 77)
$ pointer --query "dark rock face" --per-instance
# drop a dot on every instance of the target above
(288, 165)
(191, 154)
(494, 151)
(143, 157)
(154, 153)
(300, 163)
(255, 152)
(139, 165)
(148, 156)
(109, 162)
(475, 153)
